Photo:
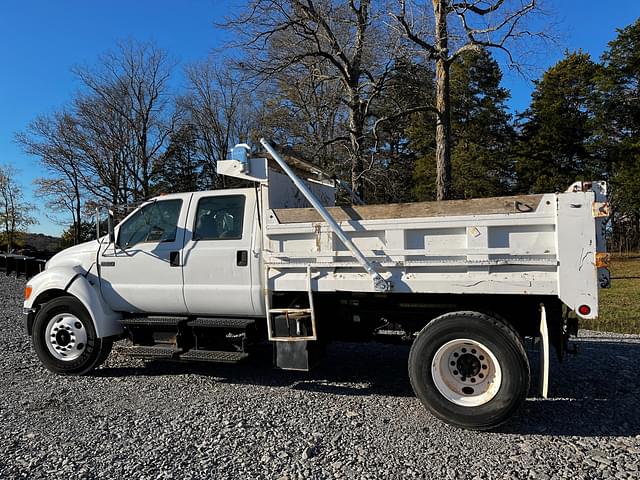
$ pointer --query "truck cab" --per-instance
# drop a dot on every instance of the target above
(186, 254)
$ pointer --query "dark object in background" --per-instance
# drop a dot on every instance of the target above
(21, 265)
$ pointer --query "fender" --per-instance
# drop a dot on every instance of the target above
(76, 281)
(53, 278)
(105, 320)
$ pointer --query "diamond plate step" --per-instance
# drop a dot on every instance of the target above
(153, 321)
(221, 322)
(151, 351)
(214, 356)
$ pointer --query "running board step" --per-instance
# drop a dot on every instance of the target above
(153, 321)
(214, 356)
(151, 351)
(211, 322)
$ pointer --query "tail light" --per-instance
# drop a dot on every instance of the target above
(584, 310)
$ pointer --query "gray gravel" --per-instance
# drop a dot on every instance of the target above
(354, 417)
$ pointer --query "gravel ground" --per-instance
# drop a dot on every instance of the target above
(354, 417)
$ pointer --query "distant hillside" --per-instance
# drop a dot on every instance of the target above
(41, 243)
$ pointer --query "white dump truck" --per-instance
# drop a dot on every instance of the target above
(206, 276)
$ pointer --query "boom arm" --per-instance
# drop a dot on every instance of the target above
(379, 283)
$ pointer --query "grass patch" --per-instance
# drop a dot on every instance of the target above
(620, 304)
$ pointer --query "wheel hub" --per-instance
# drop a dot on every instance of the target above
(468, 365)
(466, 372)
(63, 338)
(66, 337)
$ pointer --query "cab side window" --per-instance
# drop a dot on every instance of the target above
(155, 222)
(219, 218)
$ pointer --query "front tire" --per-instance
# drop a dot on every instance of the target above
(65, 339)
(469, 369)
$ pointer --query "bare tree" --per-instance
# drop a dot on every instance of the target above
(15, 213)
(60, 199)
(127, 112)
(219, 107)
(103, 146)
(307, 112)
(106, 141)
(443, 32)
(348, 38)
(52, 139)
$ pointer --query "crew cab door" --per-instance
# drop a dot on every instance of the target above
(218, 256)
(143, 272)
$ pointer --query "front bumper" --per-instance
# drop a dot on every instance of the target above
(27, 320)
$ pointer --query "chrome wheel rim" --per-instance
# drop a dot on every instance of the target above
(466, 372)
(66, 337)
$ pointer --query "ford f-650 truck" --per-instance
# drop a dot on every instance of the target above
(205, 276)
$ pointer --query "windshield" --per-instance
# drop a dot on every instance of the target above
(154, 222)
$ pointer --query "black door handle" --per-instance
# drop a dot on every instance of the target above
(242, 258)
(174, 259)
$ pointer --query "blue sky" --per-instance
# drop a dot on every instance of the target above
(41, 40)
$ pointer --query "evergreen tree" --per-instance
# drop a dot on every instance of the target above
(85, 231)
(618, 129)
(410, 86)
(179, 169)
(481, 134)
(553, 149)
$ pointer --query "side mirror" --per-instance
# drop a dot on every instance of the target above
(112, 235)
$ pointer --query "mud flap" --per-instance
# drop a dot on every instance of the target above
(297, 355)
(544, 354)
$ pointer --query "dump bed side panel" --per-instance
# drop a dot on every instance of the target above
(524, 245)
(513, 252)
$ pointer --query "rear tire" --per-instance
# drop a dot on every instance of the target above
(469, 369)
(65, 339)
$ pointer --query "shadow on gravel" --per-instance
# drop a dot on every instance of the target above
(348, 369)
(594, 393)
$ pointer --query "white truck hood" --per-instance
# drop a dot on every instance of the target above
(82, 255)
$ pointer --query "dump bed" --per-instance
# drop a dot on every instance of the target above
(527, 245)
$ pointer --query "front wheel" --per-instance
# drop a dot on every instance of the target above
(469, 369)
(65, 339)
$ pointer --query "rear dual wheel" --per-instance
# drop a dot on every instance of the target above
(469, 369)
(65, 339)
